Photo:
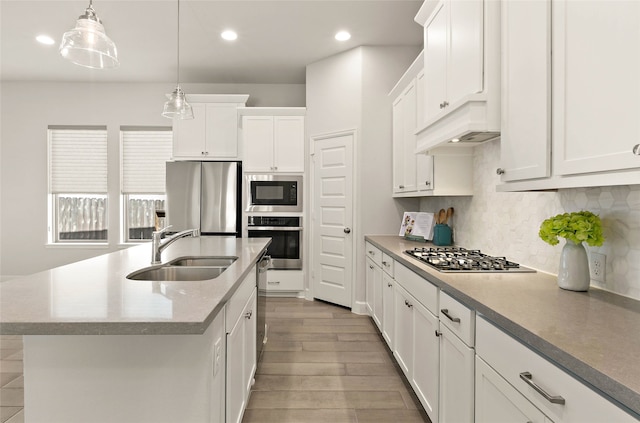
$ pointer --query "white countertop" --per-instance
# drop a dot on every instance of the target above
(94, 296)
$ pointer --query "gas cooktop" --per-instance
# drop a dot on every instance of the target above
(456, 259)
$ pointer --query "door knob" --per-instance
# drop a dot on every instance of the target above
(347, 230)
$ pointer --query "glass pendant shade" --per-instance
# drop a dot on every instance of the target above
(177, 107)
(88, 45)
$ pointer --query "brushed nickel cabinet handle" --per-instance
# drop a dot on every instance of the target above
(438, 333)
(248, 314)
(389, 284)
(500, 171)
(636, 149)
(528, 379)
(446, 313)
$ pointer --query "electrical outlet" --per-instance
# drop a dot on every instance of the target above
(598, 266)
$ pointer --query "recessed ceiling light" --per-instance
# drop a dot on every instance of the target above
(229, 35)
(45, 39)
(342, 36)
(455, 140)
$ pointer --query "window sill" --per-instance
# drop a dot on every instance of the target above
(72, 245)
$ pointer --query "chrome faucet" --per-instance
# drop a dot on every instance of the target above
(157, 246)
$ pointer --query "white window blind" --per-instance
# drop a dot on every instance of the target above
(144, 154)
(78, 160)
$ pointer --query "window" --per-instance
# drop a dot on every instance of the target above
(77, 184)
(144, 152)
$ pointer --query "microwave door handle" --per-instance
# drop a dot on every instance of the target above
(273, 228)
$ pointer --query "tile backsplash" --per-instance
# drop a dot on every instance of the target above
(507, 224)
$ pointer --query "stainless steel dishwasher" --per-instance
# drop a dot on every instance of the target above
(262, 327)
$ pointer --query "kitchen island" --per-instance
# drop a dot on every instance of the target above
(594, 336)
(103, 348)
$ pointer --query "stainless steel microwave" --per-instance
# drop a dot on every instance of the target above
(273, 193)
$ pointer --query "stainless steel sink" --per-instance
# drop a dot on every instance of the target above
(177, 273)
(193, 268)
(203, 261)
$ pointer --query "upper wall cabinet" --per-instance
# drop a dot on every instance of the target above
(525, 140)
(571, 119)
(462, 74)
(213, 132)
(273, 139)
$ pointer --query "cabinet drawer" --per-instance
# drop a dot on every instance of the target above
(387, 264)
(239, 299)
(285, 280)
(374, 254)
(423, 290)
(522, 368)
(458, 318)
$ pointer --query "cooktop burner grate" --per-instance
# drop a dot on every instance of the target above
(457, 259)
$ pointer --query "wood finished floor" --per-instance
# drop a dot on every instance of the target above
(323, 363)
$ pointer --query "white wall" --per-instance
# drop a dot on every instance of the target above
(349, 91)
(26, 111)
(508, 223)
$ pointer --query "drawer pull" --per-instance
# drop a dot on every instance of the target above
(372, 253)
(555, 399)
(438, 333)
(248, 314)
(385, 263)
(371, 267)
(273, 282)
(390, 285)
(445, 311)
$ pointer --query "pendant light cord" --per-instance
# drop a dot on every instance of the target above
(178, 81)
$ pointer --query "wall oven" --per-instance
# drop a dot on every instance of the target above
(286, 234)
(274, 193)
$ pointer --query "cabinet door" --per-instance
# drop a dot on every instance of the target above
(378, 312)
(288, 143)
(435, 61)
(257, 135)
(526, 90)
(189, 135)
(409, 149)
(465, 53)
(425, 363)
(370, 275)
(235, 370)
(596, 96)
(424, 172)
(403, 328)
(499, 402)
(398, 145)
(221, 131)
(249, 344)
(456, 379)
(388, 315)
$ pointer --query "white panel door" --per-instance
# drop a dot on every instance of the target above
(332, 218)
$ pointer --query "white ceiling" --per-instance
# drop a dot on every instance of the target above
(277, 39)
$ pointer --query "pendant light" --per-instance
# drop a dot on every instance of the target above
(87, 44)
(177, 107)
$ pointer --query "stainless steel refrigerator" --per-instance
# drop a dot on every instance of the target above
(204, 195)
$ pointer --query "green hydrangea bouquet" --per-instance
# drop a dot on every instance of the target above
(582, 226)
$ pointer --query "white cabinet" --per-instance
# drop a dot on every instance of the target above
(404, 140)
(446, 170)
(553, 391)
(273, 143)
(284, 282)
(499, 402)
(241, 347)
(416, 346)
(373, 280)
(596, 97)
(213, 132)
(388, 314)
(525, 141)
(461, 70)
(457, 335)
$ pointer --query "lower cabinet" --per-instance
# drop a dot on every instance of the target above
(416, 347)
(241, 321)
(499, 402)
(456, 379)
(388, 306)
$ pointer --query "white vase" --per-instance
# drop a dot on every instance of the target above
(573, 274)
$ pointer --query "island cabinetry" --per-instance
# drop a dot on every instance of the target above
(273, 139)
(212, 134)
(126, 378)
(241, 348)
(457, 335)
(551, 390)
(416, 346)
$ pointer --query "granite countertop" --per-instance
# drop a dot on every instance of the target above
(595, 335)
(94, 297)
